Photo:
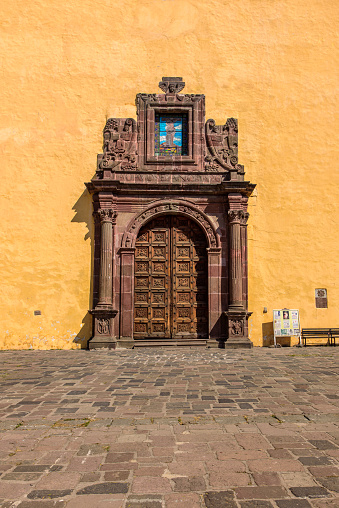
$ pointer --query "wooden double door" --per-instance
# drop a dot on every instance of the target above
(171, 275)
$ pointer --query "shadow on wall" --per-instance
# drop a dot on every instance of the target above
(83, 214)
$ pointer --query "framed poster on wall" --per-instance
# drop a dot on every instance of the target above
(286, 323)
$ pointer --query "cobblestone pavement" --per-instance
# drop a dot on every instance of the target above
(165, 428)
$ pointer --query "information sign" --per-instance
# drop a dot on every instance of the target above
(286, 323)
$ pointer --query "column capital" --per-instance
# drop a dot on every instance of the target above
(234, 216)
(106, 215)
(244, 218)
(238, 217)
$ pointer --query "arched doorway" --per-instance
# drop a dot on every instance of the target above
(171, 281)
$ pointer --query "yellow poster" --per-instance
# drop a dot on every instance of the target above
(286, 322)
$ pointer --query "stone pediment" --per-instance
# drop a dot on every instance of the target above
(170, 136)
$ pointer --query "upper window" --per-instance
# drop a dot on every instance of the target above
(171, 134)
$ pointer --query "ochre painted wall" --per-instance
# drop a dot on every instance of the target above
(68, 65)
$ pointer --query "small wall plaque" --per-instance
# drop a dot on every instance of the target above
(37, 313)
(321, 298)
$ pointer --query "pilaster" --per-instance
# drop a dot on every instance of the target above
(104, 313)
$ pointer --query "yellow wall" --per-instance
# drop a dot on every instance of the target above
(69, 64)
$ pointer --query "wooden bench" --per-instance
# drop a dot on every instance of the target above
(330, 334)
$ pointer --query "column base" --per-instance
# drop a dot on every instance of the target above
(215, 343)
(103, 328)
(125, 343)
(237, 324)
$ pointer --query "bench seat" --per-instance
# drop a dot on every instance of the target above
(328, 334)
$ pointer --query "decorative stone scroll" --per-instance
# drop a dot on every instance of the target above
(180, 207)
(120, 144)
(222, 144)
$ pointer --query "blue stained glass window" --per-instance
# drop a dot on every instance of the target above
(171, 135)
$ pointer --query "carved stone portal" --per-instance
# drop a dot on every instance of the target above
(157, 174)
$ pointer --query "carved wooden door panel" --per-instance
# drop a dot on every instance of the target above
(189, 280)
(170, 280)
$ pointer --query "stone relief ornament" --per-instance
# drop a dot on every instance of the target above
(236, 327)
(222, 143)
(171, 85)
(239, 216)
(103, 326)
(170, 207)
(106, 215)
(120, 144)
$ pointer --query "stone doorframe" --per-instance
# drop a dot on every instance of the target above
(127, 253)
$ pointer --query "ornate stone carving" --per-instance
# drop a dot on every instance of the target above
(171, 85)
(173, 206)
(244, 218)
(222, 143)
(120, 138)
(106, 215)
(103, 326)
(238, 216)
(236, 327)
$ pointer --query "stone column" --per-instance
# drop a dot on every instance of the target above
(107, 219)
(104, 312)
(237, 314)
(234, 218)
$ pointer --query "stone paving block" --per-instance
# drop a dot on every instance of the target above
(256, 504)
(151, 485)
(13, 490)
(55, 480)
(271, 492)
(266, 478)
(311, 492)
(119, 457)
(83, 464)
(330, 482)
(293, 503)
(94, 477)
(218, 499)
(325, 503)
(182, 500)
(104, 488)
(21, 477)
(253, 442)
(193, 484)
(144, 504)
(97, 501)
(324, 471)
(282, 465)
(297, 479)
(48, 493)
(40, 504)
(323, 444)
(315, 461)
